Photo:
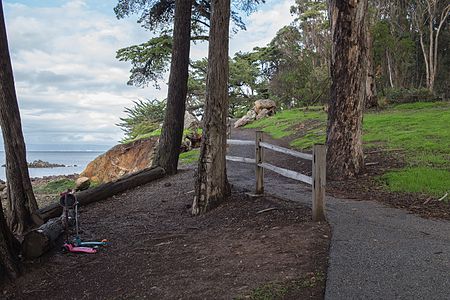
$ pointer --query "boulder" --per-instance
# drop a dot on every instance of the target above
(265, 104)
(82, 183)
(263, 113)
(249, 117)
(190, 121)
(121, 160)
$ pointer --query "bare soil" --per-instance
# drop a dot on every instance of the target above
(159, 251)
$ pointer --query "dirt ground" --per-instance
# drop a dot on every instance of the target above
(159, 251)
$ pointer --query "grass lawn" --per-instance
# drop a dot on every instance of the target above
(421, 129)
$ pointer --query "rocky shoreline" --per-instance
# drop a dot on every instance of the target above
(43, 164)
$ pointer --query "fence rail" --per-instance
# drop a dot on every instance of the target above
(318, 179)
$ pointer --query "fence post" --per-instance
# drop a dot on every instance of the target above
(259, 157)
(319, 182)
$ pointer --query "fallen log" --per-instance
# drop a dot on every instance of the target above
(42, 239)
(103, 191)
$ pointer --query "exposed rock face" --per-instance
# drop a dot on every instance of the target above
(82, 183)
(121, 160)
(262, 109)
(265, 104)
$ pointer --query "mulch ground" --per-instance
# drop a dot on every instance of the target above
(159, 251)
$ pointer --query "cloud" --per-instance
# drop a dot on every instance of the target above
(70, 86)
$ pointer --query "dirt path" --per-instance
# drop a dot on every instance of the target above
(377, 252)
(159, 251)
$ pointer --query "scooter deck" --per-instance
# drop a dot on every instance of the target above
(79, 243)
(74, 249)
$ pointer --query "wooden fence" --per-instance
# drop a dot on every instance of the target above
(318, 179)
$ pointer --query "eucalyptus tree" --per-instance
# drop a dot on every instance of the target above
(212, 184)
(348, 72)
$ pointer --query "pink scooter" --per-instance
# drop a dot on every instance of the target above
(71, 248)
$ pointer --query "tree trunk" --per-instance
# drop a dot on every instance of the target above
(104, 191)
(9, 248)
(212, 183)
(172, 129)
(371, 90)
(21, 201)
(40, 240)
(348, 89)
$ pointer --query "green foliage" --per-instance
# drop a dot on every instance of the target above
(402, 95)
(190, 156)
(149, 60)
(142, 119)
(55, 187)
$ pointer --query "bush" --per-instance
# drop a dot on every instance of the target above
(142, 119)
(401, 95)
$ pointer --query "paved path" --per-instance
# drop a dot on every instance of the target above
(377, 252)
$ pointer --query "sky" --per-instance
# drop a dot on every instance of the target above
(71, 89)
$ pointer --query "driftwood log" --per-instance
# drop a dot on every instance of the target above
(40, 240)
(102, 191)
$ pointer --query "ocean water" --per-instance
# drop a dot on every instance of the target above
(76, 162)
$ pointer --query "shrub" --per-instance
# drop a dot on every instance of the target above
(401, 95)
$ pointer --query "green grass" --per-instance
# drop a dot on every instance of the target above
(279, 290)
(418, 180)
(189, 157)
(55, 187)
(283, 124)
(421, 129)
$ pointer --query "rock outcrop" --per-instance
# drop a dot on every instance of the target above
(262, 109)
(82, 183)
(42, 164)
(121, 160)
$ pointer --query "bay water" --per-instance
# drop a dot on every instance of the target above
(75, 162)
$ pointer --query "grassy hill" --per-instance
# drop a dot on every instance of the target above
(421, 131)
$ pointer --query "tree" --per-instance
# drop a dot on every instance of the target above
(143, 118)
(172, 129)
(158, 15)
(212, 184)
(348, 89)
(429, 17)
(21, 201)
(9, 248)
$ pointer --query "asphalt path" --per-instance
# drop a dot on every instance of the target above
(376, 252)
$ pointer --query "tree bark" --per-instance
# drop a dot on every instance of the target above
(172, 129)
(9, 248)
(40, 240)
(348, 89)
(212, 184)
(104, 191)
(371, 89)
(21, 201)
